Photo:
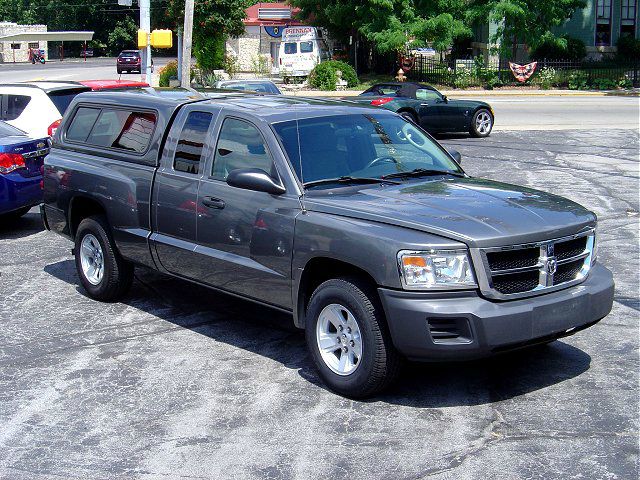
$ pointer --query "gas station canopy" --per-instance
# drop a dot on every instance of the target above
(48, 37)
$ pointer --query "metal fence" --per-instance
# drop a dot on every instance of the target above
(549, 73)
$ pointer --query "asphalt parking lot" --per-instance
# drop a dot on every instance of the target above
(179, 382)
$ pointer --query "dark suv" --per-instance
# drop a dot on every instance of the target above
(129, 61)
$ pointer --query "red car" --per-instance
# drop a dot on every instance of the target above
(96, 85)
(129, 61)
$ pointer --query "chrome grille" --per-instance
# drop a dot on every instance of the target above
(522, 270)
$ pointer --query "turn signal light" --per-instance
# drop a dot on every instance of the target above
(53, 127)
(10, 162)
(381, 101)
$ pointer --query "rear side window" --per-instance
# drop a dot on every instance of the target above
(290, 48)
(191, 143)
(113, 128)
(82, 123)
(13, 106)
(62, 98)
(306, 47)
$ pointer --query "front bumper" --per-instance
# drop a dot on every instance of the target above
(463, 325)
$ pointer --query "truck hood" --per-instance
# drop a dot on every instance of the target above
(477, 212)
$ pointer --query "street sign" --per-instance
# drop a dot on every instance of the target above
(125, 3)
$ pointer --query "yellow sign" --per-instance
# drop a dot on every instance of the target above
(162, 39)
(142, 38)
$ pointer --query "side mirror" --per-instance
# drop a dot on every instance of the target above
(445, 99)
(457, 156)
(254, 179)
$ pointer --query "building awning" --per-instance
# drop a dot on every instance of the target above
(48, 37)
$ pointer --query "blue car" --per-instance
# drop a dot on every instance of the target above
(21, 160)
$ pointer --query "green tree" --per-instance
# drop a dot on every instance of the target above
(522, 21)
(213, 22)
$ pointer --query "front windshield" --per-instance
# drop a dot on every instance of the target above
(359, 145)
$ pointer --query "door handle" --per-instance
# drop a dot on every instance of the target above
(213, 202)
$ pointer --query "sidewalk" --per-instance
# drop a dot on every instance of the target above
(481, 93)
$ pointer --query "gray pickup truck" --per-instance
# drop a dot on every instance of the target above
(350, 218)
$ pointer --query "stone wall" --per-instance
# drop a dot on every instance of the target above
(21, 54)
(247, 47)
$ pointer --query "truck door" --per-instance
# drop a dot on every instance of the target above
(175, 193)
(245, 237)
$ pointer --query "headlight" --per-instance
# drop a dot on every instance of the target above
(444, 269)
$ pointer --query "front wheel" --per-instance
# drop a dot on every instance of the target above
(104, 274)
(481, 123)
(348, 338)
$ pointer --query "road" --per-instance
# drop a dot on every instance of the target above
(513, 113)
(179, 382)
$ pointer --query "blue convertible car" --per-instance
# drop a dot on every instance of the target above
(21, 160)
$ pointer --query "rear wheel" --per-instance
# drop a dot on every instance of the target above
(119, 71)
(104, 274)
(481, 123)
(348, 339)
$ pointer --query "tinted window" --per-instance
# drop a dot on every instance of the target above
(62, 98)
(240, 145)
(290, 48)
(358, 145)
(82, 123)
(123, 129)
(7, 130)
(191, 142)
(14, 106)
(306, 47)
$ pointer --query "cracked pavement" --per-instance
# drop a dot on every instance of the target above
(180, 382)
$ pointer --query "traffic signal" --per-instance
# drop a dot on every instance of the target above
(142, 38)
(162, 39)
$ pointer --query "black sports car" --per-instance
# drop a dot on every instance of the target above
(426, 106)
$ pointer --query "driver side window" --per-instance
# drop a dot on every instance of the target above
(426, 94)
(240, 145)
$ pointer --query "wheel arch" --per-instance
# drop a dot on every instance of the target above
(316, 271)
(81, 207)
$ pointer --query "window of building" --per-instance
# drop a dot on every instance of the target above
(191, 143)
(290, 48)
(13, 106)
(35, 45)
(628, 18)
(15, 46)
(603, 23)
(240, 145)
(123, 129)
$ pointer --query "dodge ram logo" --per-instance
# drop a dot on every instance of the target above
(551, 265)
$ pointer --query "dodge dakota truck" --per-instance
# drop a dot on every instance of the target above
(351, 218)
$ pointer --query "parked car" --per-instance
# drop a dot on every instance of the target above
(97, 85)
(130, 61)
(427, 107)
(352, 219)
(21, 160)
(37, 107)
(253, 85)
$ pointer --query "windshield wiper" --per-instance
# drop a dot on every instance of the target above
(348, 179)
(422, 172)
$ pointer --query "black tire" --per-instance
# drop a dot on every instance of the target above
(409, 116)
(474, 129)
(119, 71)
(380, 363)
(118, 273)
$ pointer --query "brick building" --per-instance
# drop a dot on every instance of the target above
(19, 51)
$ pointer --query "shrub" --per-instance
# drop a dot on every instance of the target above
(260, 65)
(604, 83)
(463, 78)
(209, 51)
(628, 48)
(577, 80)
(546, 77)
(231, 65)
(324, 77)
(559, 48)
(170, 71)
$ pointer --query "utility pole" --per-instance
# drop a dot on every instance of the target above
(185, 67)
(145, 24)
